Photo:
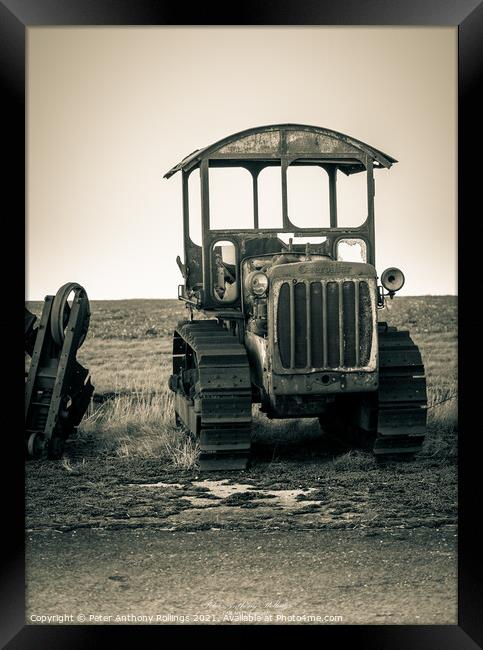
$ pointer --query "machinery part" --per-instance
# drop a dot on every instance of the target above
(58, 389)
(391, 422)
(35, 445)
(402, 399)
(213, 396)
(306, 318)
(61, 310)
(55, 447)
(30, 331)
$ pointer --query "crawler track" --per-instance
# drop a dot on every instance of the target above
(402, 395)
(211, 381)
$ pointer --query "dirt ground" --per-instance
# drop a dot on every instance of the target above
(125, 537)
(121, 528)
(331, 577)
(132, 493)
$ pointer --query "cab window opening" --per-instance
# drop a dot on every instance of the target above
(224, 271)
(351, 250)
(194, 207)
(308, 196)
(318, 196)
(269, 194)
(352, 204)
(231, 198)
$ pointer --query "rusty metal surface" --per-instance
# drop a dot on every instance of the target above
(402, 400)
(325, 275)
(306, 341)
(213, 394)
(267, 141)
(254, 149)
(58, 389)
(30, 331)
(61, 311)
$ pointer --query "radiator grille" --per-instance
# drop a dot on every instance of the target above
(324, 324)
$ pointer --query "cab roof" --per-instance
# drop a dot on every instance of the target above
(275, 140)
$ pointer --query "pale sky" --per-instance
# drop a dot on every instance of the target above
(110, 110)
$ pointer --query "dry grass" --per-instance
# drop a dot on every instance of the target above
(141, 426)
(442, 438)
(128, 350)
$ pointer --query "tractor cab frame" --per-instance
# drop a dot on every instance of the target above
(280, 146)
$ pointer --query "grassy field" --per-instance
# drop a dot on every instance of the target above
(130, 476)
(131, 441)
(128, 350)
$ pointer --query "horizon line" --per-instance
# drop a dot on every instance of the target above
(416, 295)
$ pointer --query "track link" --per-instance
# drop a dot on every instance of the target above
(402, 407)
(213, 398)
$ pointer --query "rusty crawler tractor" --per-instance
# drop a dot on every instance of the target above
(291, 326)
(58, 389)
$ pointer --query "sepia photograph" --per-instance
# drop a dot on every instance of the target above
(241, 325)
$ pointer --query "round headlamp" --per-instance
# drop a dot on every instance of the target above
(257, 283)
(392, 279)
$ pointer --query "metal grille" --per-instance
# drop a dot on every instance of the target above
(324, 324)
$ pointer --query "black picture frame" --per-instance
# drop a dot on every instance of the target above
(18, 15)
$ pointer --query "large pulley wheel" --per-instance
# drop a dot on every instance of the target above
(61, 311)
